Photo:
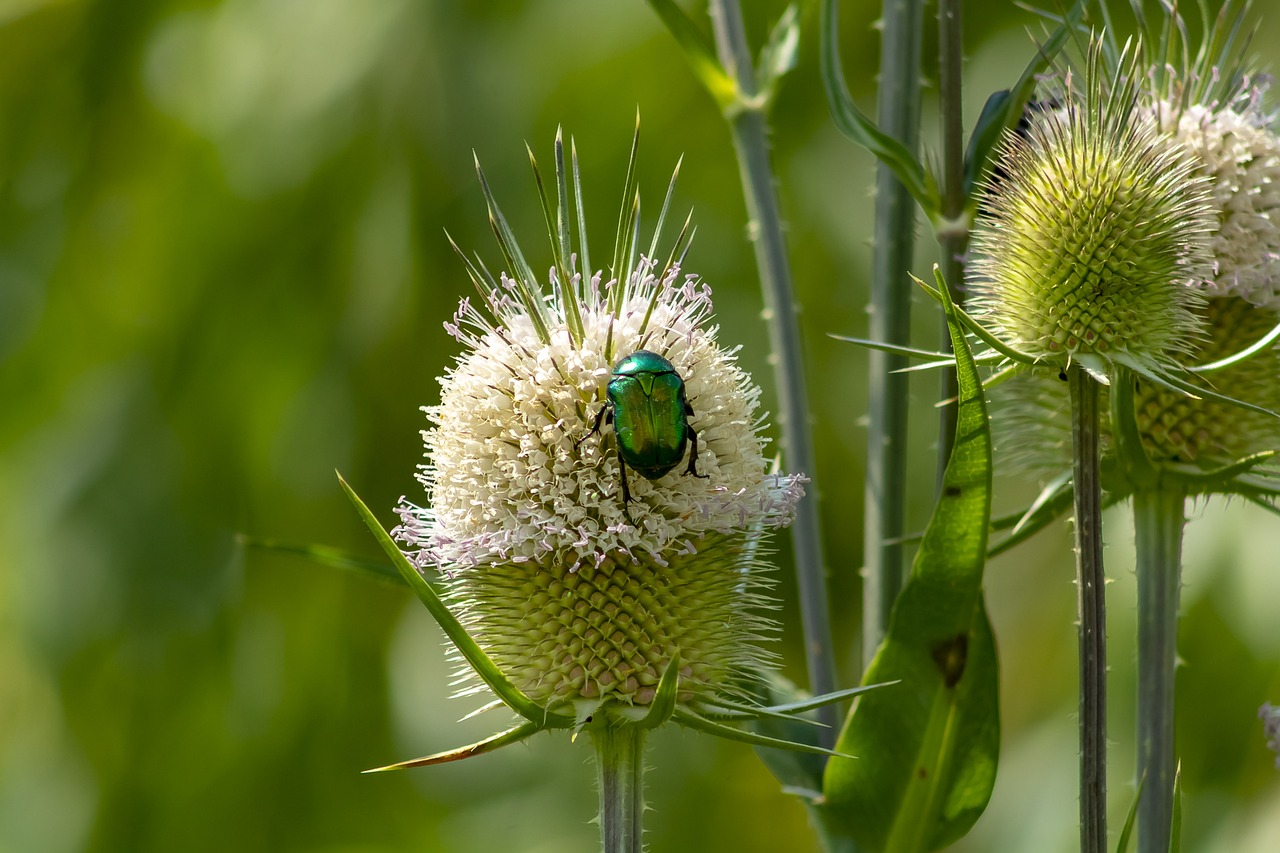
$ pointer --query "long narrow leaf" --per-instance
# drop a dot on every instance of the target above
(664, 698)
(690, 720)
(1258, 346)
(779, 54)
(584, 252)
(1122, 845)
(484, 667)
(489, 744)
(945, 358)
(1195, 392)
(1004, 110)
(975, 328)
(699, 52)
(856, 125)
(927, 749)
(378, 570)
(733, 711)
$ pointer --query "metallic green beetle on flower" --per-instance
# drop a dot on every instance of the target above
(650, 415)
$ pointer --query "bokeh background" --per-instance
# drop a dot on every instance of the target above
(223, 274)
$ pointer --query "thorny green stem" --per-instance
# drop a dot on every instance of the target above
(1090, 591)
(1158, 521)
(620, 778)
(750, 141)
(897, 114)
(953, 235)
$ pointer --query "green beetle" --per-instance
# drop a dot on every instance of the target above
(650, 414)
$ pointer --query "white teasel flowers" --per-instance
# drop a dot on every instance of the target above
(582, 603)
(1235, 147)
(511, 478)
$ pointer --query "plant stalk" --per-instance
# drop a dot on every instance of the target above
(897, 114)
(1158, 521)
(1090, 598)
(952, 230)
(620, 778)
(750, 140)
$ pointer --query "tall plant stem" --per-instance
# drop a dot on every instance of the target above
(620, 778)
(1090, 592)
(1158, 521)
(952, 230)
(747, 125)
(897, 114)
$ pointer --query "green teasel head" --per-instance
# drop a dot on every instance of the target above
(1093, 242)
(1205, 100)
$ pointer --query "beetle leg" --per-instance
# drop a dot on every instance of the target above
(626, 492)
(595, 427)
(693, 451)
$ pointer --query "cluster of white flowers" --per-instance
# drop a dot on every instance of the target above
(513, 473)
(1237, 148)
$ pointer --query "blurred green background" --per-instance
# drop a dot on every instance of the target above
(223, 275)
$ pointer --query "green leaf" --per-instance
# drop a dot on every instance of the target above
(779, 54)
(798, 773)
(974, 327)
(502, 687)
(334, 557)
(796, 704)
(927, 749)
(1243, 355)
(779, 717)
(1122, 846)
(700, 53)
(697, 722)
(1003, 110)
(1173, 382)
(945, 358)
(624, 244)
(489, 744)
(856, 125)
(584, 252)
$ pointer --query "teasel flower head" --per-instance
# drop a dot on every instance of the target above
(580, 597)
(1214, 432)
(575, 604)
(1092, 244)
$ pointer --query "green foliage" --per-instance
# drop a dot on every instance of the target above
(927, 748)
(223, 274)
(859, 127)
(1122, 843)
